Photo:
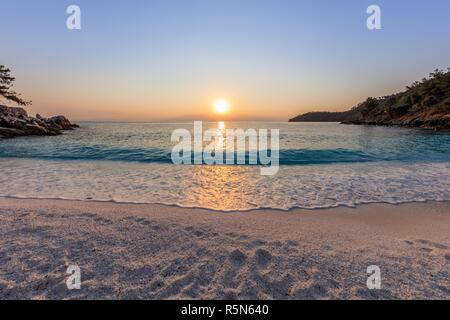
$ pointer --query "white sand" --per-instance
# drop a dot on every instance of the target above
(128, 251)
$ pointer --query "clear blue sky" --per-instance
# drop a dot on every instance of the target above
(272, 59)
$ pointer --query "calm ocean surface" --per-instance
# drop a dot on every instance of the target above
(322, 165)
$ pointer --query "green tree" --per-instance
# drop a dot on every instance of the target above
(6, 83)
(369, 105)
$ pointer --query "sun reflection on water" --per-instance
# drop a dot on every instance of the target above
(221, 187)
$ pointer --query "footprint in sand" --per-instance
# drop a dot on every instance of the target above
(315, 291)
(237, 258)
(97, 218)
(429, 247)
(263, 258)
(87, 215)
(433, 244)
(428, 244)
(104, 221)
(256, 243)
(144, 222)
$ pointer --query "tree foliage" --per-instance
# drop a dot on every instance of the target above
(6, 83)
(432, 92)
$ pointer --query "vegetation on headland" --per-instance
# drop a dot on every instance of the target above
(424, 104)
(14, 121)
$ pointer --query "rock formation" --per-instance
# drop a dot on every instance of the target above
(15, 122)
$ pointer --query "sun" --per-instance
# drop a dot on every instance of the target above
(221, 106)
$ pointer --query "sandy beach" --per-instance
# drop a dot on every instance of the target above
(133, 251)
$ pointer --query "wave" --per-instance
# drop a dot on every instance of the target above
(158, 155)
(224, 210)
(226, 188)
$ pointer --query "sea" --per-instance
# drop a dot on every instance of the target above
(321, 165)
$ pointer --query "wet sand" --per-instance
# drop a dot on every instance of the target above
(134, 251)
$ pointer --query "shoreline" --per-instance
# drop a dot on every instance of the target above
(223, 211)
(144, 251)
(227, 188)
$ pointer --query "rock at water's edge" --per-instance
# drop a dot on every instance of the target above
(15, 122)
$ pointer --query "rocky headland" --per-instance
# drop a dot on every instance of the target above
(326, 116)
(15, 122)
(424, 104)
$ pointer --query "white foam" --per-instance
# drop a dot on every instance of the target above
(226, 187)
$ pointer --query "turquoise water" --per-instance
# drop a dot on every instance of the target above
(300, 144)
(322, 165)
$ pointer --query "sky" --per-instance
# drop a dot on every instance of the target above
(169, 60)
